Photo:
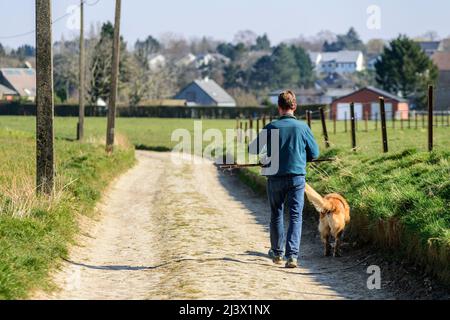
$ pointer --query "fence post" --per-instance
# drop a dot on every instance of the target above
(308, 118)
(245, 133)
(334, 122)
(401, 120)
(376, 121)
(264, 121)
(409, 120)
(240, 131)
(430, 118)
(416, 119)
(383, 125)
(257, 126)
(367, 122)
(324, 127)
(423, 120)
(345, 122)
(250, 123)
(353, 126)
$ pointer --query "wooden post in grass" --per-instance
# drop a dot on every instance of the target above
(308, 118)
(366, 120)
(383, 125)
(345, 122)
(409, 120)
(257, 126)
(430, 118)
(250, 124)
(45, 170)
(264, 121)
(401, 120)
(240, 131)
(111, 126)
(353, 126)
(80, 126)
(324, 127)
(376, 121)
(245, 133)
(334, 123)
(393, 118)
(423, 120)
(416, 119)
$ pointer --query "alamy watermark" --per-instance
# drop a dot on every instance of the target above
(374, 280)
(374, 17)
(227, 147)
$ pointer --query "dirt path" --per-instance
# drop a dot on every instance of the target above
(190, 232)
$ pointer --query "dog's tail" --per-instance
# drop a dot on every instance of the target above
(316, 199)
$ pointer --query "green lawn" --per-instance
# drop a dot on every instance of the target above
(156, 134)
(407, 188)
(35, 231)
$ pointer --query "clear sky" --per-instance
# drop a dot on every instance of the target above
(221, 19)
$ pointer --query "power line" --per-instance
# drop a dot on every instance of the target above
(19, 35)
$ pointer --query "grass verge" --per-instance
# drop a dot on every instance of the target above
(400, 201)
(35, 231)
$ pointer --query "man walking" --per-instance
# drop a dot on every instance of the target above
(296, 146)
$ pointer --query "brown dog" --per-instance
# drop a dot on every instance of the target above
(334, 215)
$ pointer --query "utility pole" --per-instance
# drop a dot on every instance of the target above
(80, 127)
(44, 98)
(114, 81)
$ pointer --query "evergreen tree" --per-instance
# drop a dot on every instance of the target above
(404, 68)
(304, 65)
(262, 43)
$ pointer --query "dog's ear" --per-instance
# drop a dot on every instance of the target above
(316, 199)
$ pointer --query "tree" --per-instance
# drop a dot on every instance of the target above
(234, 52)
(261, 73)
(375, 47)
(348, 41)
(262, 43)
(304, 65)
(285, 72)
(404, 68)
(100, 84)
(147, 47)
(2, 51)
(24, 51)
(246, 37)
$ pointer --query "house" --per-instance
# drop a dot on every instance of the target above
(207, 59)
(336, 81)
(341, 62)
(186, 60)
(206, 93)
(312, 95)
(442, 61)
(430, 47)
(366, 102)
(156, 61)
(20, 80)
(7, 94)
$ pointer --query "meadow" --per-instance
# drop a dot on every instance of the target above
(400, 200)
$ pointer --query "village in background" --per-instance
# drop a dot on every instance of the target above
(247, 72)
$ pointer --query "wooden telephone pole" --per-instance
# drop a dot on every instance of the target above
(44, 98)
(114, 81)
(80, 127)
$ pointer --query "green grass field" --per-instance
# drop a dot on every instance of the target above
(156, 134)
(35, 231)
(403, 195)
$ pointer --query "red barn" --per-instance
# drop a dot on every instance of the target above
(366, 102)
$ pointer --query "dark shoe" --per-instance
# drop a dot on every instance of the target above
(291, 263)
(275, 258)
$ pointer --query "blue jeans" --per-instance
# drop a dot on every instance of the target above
(290, 189)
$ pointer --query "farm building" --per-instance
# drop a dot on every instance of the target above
(206, 93)
(20, 80)
(366, 102)
(442, 61)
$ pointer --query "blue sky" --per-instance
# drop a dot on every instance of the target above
(221, 19)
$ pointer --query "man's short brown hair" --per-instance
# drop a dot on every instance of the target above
(287, 100)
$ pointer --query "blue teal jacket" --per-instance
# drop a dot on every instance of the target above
(296, 143)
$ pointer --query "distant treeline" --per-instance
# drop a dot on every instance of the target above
(211, 112)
